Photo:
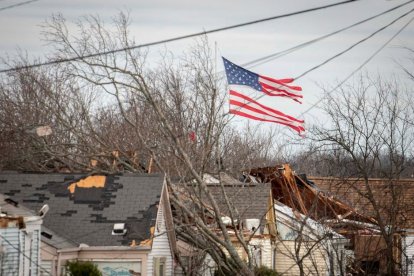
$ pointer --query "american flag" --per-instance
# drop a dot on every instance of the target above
(245, 106)
(239, 76)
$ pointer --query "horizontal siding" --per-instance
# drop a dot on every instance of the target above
(10, 259)
(35, 253)
(160, 245)
(265, 251)
(409, 255)
(314, 264)
(46, 268)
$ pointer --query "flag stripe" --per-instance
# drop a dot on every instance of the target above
(279, 94)
(243, 114)
(234, 95)
(272, 91)
(286, 80)
(276, 82)
(281, 89)
(257, 112)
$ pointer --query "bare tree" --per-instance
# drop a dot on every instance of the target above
(173, 113)
(371, 127)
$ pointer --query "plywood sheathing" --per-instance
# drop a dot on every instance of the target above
(94, 181)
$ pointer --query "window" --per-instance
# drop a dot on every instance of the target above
(256, 253)
(370, 267)
(159, 266)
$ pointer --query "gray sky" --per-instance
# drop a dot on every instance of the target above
(160, 19)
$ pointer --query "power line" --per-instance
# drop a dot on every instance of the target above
(353, 45)
(270, 57)
(359, 67)
(17, 5)
(175, 38)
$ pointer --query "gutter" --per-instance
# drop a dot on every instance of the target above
(105, 248)
(354, 222)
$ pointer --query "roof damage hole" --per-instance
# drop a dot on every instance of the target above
(94, 181)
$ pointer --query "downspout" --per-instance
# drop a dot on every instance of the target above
(68, 250)
(58, 265)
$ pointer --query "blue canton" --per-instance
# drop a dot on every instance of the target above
(238, 75)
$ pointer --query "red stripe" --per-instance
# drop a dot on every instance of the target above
(286, 80)
(255, 110)
(297, 88)
(264, 107)
(266, 86)
(240, 113)
(280, 95)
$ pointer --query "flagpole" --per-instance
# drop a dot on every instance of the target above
(216, 88)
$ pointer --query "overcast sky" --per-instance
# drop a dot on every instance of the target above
(160, 19)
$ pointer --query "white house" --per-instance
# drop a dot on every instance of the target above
(19, 239)
(122, 223)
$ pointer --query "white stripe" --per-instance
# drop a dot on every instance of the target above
(279, 86)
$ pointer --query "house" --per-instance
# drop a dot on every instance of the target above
(346, 206)
(393, 199)
(348, 219)
(272, 230)
(304, 245)
(20, 231)
(122, 223)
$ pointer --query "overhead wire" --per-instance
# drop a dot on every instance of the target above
(359, 67)
(265, 59)
(353, 45)
(17, 5)
(63, 60)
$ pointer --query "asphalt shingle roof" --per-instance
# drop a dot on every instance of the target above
(250, 201)
(88, 214)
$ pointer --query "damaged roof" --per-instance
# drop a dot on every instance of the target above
(84, 209)
(249, 199)
(305, 196)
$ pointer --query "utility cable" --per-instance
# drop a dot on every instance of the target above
(17, 5)
(270, 57)
(358, 68)
(27, 257)
(175, 38)
(353, 45)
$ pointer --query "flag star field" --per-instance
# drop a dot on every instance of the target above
(240, 76)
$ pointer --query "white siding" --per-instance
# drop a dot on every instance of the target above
(20, 252)
(408, 255)
(315, 263)
(160, 244)
(35, 253)
(46, 268)
(10, 255)
(265, 247)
